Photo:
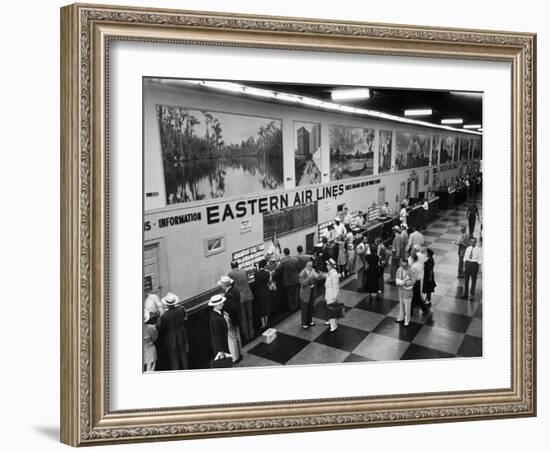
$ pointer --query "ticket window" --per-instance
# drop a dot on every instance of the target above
(151, 270)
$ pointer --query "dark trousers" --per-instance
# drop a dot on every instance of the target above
(247, 321)
(306, 308)
(293, 296)
(470, 272)
(417, 299)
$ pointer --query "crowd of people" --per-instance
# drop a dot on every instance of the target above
(412, 269)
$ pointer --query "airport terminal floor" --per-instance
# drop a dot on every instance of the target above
(451, 327)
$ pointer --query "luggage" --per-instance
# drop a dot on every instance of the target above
(269, 335)
(222, 363)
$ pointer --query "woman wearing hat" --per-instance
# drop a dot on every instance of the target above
(219, 338)
(172, 342)
(332, 287)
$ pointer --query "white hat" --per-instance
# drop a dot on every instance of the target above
(332, 262)
(225, 281)
(170, 299)
(396, 228)
(216, 300)
(337, 219)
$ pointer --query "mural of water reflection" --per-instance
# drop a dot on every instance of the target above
(208, 155)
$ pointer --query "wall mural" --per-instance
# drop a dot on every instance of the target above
(476, 148)
(436, 146)
(446, 150)
(412, 150)
(307, 153)
(456, 149)
(351, 152)
(209, 155)
(384, 151)
(464, 148)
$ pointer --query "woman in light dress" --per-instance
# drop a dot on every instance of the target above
(332, 288)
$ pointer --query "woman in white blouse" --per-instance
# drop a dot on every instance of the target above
(332, 288)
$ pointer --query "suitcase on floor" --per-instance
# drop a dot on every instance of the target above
(269, 335)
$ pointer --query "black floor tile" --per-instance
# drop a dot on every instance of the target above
(449, 321)
(390, 328)
(471, 346)
(281, 350)
(419, 352)
(320, 310)
(351, 285)
(344, 338)
(437, 226)
(380, 305)
(356, 358)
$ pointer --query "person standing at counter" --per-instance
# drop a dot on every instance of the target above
(372, 271)
(232, 307)
(308, 276)
(417, 274)
(332, 288)
(405, 239)
(219, 339)
(172, 341)
(291, 271)
(240, 279)
(302, 257)
(346, 217)
(425, 209)
(339, 229)
(383, 257)
(263, 293)
(385, 210)
(396, 252)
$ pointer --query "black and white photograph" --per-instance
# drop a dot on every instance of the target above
(295, 224)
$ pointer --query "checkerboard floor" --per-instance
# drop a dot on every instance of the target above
(451, 328)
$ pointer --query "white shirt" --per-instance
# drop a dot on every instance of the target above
(473, 254)
(425, 205)
(347, 219)
(339, 230)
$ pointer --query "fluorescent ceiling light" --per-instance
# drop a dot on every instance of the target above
(470, 94)
(480, 129)
(347, 94)
(418, 112)
(473, 126)
(451, 121)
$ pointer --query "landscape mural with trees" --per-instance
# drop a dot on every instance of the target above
(209, 155)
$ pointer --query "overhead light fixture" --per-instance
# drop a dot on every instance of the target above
(473, 126)
(348, 94)
(418, 112)
(451, 121)
(480, 129)
(467, 93)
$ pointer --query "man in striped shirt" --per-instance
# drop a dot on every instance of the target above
(472, 260)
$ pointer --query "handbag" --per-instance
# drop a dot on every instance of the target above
(338, 308)
(222, 363)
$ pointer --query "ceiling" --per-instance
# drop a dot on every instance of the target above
(444, 104)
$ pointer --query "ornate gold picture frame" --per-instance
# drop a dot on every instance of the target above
(86, 34)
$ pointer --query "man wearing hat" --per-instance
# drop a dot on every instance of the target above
(339, 229)
(172, 341)
(233, 308)
(332, 288)
(241, 284)
(396, 252)
(218, 328)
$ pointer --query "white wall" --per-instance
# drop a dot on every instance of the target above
(29, 179)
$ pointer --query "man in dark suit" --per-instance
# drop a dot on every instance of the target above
(241, 285)
(232, 300)
(307, 277)
(291, 271)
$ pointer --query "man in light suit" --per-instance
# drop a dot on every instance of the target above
(416, 238)
(397, 252)
(308, 276)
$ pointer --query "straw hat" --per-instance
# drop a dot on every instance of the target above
(331, 262)
(225, 281)
(170, 299)
(216, 300)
